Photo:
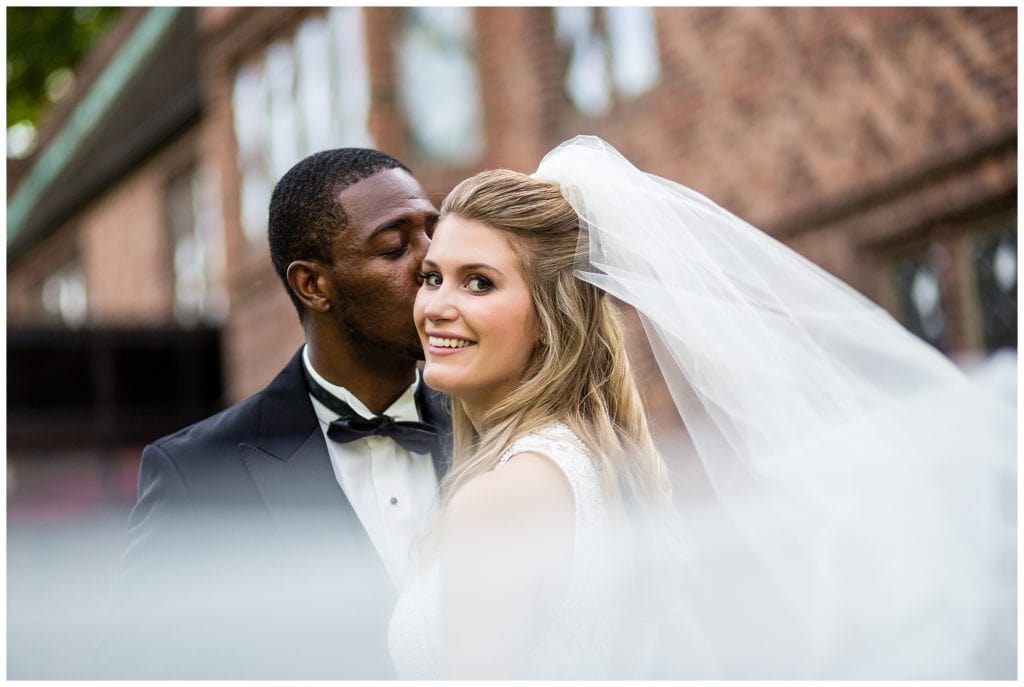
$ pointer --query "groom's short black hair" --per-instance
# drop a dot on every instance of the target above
(305, 215)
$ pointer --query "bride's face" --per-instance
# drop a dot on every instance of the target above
(474, 313)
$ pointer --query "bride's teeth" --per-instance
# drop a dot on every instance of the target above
(448, 343)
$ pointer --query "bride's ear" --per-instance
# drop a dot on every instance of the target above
(308, 281)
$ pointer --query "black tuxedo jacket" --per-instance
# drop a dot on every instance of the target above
(245, 560)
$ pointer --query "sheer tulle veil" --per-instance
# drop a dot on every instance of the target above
(863, 520)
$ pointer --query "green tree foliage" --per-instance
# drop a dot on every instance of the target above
(44, 45)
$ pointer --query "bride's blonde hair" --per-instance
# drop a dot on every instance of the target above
(579, 373)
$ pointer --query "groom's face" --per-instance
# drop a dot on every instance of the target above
(376, 260)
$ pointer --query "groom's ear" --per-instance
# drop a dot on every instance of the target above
(309, 283)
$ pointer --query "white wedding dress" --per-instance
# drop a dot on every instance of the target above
(580, 642)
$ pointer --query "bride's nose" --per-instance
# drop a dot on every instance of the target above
(440, 305)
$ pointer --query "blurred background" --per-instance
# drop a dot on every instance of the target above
(143, 144)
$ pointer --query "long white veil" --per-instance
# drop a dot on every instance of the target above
(864, 512)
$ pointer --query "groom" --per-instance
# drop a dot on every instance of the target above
(269, 540)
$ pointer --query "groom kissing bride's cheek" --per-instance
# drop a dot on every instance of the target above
(505, 511)
(269, 541)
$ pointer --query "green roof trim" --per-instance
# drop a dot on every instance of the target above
(87, 115)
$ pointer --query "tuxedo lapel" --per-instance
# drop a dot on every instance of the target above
(292, 471)
(291, 467)
(303, 481)
(327, 569)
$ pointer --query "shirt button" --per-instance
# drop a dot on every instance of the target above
(394, 500)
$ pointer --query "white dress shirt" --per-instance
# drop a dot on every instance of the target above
(392, 490)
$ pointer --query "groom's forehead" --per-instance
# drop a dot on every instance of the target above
(382, 197)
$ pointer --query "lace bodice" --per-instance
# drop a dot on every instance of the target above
(579, 642)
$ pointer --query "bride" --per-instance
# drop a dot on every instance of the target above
(860, 523)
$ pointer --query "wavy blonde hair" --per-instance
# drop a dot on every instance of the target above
(579, 373)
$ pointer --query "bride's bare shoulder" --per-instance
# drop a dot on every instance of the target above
(527, 487)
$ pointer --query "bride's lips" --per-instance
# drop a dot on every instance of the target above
(444, 343)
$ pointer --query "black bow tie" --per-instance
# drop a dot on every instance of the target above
(418, 437)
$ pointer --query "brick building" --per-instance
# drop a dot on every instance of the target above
(879, 142)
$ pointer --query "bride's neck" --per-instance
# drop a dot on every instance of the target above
(474, 414)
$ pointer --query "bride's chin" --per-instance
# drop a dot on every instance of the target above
(436, 380)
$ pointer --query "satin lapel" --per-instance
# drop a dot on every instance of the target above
(329, 555)
(302, 494)
(291, 469)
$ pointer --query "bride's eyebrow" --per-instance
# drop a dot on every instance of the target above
(481, 266)
(467, 268)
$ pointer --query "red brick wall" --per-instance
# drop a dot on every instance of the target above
(122, 242)
(798, 119)
(773, 111)
(261, 330)
(848, 132)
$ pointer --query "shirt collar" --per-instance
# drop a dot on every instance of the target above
(404, 407)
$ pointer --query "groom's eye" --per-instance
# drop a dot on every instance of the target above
(395, 251)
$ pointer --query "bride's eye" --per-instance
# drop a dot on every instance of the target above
(431, 279)
(478, 284)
